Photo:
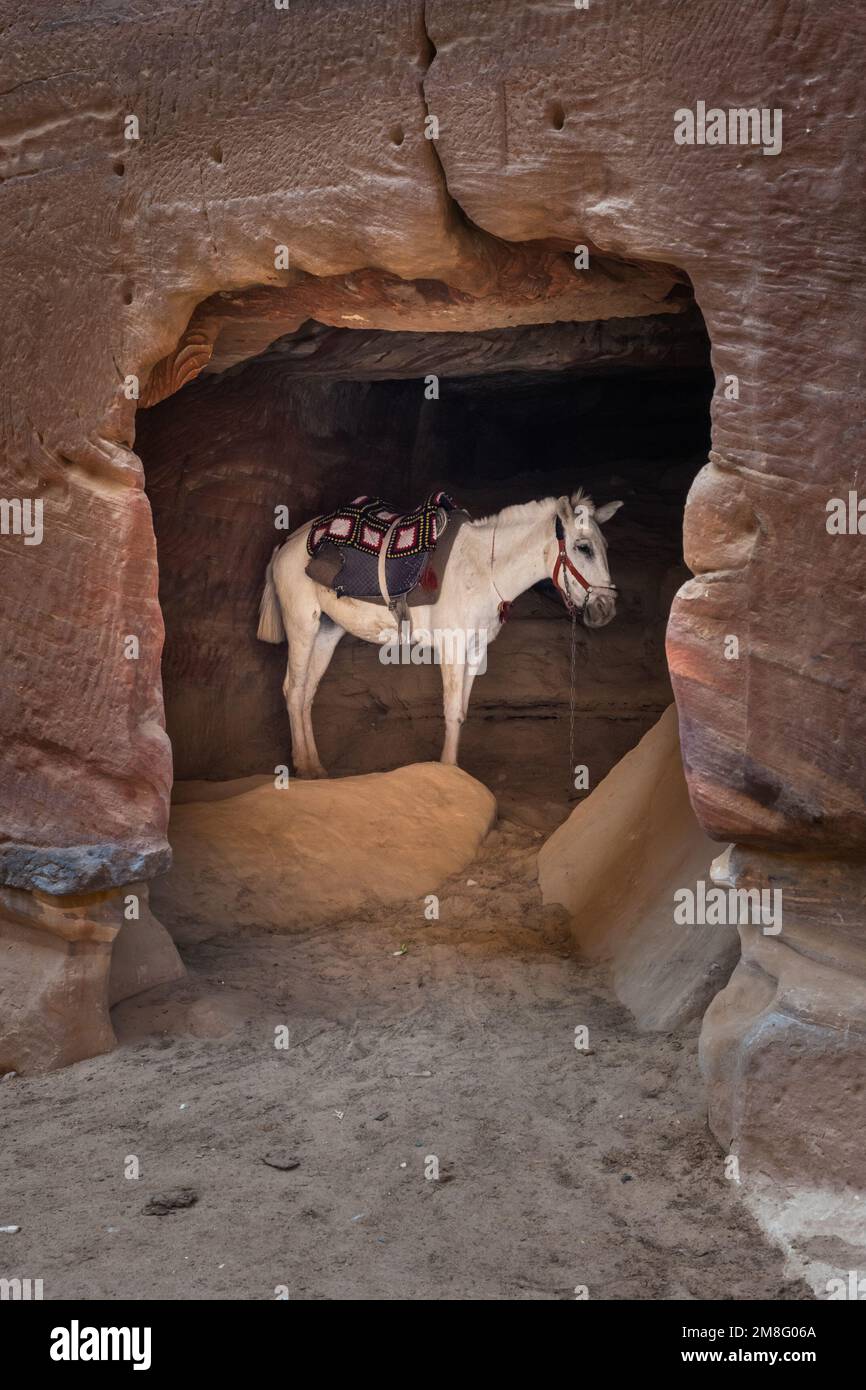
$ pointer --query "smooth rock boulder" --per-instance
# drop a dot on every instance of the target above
(282, 858)
(143, 955)
(616, 864)
(783, 1047)
(64, 961)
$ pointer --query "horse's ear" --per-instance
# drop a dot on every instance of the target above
(605, 513)
(564, 511)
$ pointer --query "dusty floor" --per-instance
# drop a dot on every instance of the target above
(558, 1168)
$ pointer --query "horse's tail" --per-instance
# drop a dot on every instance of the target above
(271, 627)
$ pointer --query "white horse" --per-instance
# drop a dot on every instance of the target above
(492, 562)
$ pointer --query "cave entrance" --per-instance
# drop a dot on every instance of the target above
(619, 407)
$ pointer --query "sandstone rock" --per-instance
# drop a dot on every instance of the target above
(783, 1047)
(520, 161)
(64, 960)
(528, 285)
(315, 851)
(659, 341)
(556, 128)
(143, 955)
(56, 956)
(615, 865)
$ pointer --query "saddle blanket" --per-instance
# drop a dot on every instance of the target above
(344, 546)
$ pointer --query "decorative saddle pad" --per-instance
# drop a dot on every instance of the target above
(345, 545)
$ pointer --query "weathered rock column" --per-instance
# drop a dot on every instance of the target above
(783, 1046)
(64, 960)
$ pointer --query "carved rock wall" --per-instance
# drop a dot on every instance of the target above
(555, 127)
(305, 128)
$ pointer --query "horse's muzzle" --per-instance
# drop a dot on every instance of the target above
(599, 608)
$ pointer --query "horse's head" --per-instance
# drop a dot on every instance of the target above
(580, 558)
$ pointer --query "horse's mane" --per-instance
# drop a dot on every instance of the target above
(531, 511)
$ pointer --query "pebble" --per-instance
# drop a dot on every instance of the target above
(285, 1162)
(164, 1202)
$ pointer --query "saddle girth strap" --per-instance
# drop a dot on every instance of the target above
(397, 607)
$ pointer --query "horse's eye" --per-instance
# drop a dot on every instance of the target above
(586, 550)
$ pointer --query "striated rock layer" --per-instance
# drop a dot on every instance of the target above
(555, 129)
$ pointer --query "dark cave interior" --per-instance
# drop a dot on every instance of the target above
(495, 418)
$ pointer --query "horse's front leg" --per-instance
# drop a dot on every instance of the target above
(452, 691)
(470, 672)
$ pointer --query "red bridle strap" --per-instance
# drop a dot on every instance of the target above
(563, 561)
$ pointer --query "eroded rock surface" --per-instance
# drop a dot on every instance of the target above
(616, 864)
(62, 969)
(783, 1047)
(284, 857)
(555, 129)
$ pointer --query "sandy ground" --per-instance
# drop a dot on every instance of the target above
(557, 1168)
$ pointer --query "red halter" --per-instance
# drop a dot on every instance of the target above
(563, 561)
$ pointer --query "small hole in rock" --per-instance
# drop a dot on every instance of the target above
(556, 114)
(216, 154)
(398, 135)
(119, 168)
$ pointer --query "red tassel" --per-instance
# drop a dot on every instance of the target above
(504, 611)
(429, 579)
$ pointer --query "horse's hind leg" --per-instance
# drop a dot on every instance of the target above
(324, 646)
(301, 642)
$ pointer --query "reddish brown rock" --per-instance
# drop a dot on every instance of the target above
(783, 1047)
(555, 128)
(65, 961)
(54, 988)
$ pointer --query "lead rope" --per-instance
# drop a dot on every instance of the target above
(571, 721)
